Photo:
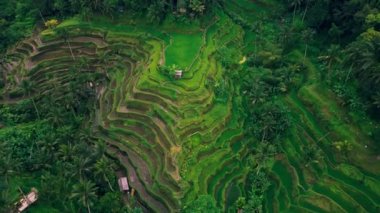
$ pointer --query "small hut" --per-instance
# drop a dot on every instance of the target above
(27, 200)
(178, 74)
(123, 184)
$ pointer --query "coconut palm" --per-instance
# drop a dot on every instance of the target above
(70, 100)
(6, 199)
(376, 99)
(64, 34)
(263, 154)
(312, 154)
(306, 8)
(81, 165)
(364, 55)
(295, 4)
(345, 147)
(197, 6)
(8, 165)
(83, 63)
(104, 59)
(28, 88)
(307, 36)
(85, 193)
(66, 152)
(331, 57)
(86, 14)
(55, 115)
(103, 169)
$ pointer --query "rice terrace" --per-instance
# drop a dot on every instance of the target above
(194, 106)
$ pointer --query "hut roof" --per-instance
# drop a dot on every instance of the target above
(123, 184)
(27, 200)
(178, 73)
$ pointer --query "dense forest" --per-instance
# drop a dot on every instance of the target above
(204, 105)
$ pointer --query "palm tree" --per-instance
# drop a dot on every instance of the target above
(83, 63)
(85, 13)
(42, 17)
(376, 99)
(295, 4)
(8, 165)
(71, 102)
(64, 34)
(104, 59)
(28, 88)
(363, 56)
(108, 8)
(258, 29)
(331, 57)
(344, 147)
(263, 153)
(306, 7)
(104, 168)
(5, 198)
(66, 152)
(197, 6)
(55, 115)
(307, 36)
(81, 165)
(85, 192)
(312, 154)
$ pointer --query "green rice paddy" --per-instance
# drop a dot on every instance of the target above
(176, 140)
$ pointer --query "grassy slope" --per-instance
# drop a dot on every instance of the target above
(199, 114)
(208, 132)
(318, 119)
(183, 49)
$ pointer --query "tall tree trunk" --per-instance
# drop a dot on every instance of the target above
(73, 111)
(305, 53)
(109, 183)
(35, 107)
(88, 207)
(304, 13)
(264, 134)
(348, 74)
(41, 16)
(294, 13)
(71, 51)
(255, 49)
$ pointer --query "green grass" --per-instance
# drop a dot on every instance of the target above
(183, 49)
(194, 143)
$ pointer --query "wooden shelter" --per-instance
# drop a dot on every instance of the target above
(27, 200)
(123, 184)
(178, 74)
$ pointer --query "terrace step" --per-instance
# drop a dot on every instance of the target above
(148, 200)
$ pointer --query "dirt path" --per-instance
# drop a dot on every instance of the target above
(85, 39)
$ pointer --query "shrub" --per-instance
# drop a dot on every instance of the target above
(52, 23)
(168, 71)
(17, 93)
(269, 121)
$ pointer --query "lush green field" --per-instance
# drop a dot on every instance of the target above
(178, 139)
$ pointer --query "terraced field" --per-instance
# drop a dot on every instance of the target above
(157, 128)
(334, 182)
(176, 139)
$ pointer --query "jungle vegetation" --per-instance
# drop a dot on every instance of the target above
(278, 108)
